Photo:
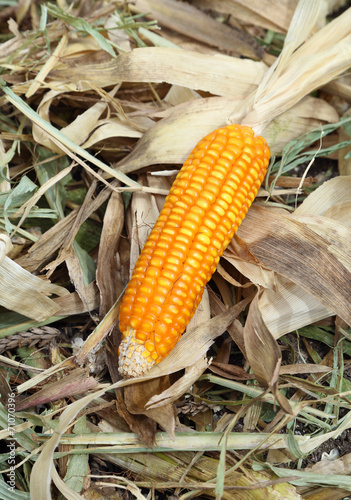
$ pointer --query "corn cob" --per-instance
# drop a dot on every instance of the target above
(205, 206)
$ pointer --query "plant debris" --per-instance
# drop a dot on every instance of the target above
(101, 103)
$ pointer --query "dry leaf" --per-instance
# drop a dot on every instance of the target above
(47, 244)
(75, 272)
(303, 65)
(62, 233)
(328, 195)
(136, 397)
(144, 212)
(107, 273)
(23, 292)
(71, 304)
(186, 19)
(144, 428)
(229, 76)
(289, 307)
(182, 385)
(340, 465)
(78, 131)
(330, 229)
(263, 353)
(172, 139)
(232, 372)
(288, 243)
(274, 15)
(26, 294)
(77, 382)
(238, 254)
(308, 114)
(113, 127)
(318, 266)
(178, 95)
(303, 368)
(340, 212)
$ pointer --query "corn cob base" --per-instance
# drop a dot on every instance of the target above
(134, 359)
(205, 206)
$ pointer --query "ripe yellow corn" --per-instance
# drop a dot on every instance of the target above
(205, 206)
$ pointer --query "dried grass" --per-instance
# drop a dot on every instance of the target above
(99, 108)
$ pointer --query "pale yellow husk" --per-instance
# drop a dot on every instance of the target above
(23, 292)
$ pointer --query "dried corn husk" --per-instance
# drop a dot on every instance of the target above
(23, 292)
(273, 15)
(189, 21)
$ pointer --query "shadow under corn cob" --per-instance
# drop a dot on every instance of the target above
(205, 206)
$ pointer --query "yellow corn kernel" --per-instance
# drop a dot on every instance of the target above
(206, 204)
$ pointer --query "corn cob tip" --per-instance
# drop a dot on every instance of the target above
(134, 359)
